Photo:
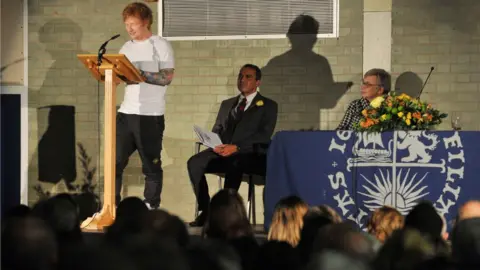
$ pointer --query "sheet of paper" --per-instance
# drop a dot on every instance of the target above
(207, 138)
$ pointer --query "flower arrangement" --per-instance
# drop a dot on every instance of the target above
(398, 112)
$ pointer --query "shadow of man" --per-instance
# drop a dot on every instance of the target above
(64, 82)
(300, 80)
(408, 83)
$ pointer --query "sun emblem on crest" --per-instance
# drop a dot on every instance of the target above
(408, 191)
(395, 169)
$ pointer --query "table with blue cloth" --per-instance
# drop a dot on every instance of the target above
(356, 173)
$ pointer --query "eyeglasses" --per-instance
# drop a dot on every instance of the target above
(367, 84)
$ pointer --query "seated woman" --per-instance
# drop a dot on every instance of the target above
(376, 82)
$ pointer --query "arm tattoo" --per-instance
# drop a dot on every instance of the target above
(164, 77)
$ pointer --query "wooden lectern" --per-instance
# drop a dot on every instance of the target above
(114, 69)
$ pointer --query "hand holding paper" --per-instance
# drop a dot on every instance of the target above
(207, 138)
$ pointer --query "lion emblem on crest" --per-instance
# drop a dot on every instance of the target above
(417, 149)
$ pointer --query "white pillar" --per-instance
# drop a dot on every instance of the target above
(377, 34)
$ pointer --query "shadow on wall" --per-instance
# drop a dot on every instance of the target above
(67, 76)
(7, 66)
(300, 80)
(56, 148)
(408, 83)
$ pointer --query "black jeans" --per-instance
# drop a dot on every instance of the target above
(143, 133)
(234, 167)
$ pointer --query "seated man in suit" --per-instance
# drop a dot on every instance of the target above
(376, 82)
(242, 122)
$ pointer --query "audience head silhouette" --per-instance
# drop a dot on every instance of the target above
(227, 217)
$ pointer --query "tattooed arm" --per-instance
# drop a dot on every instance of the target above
(164, 77)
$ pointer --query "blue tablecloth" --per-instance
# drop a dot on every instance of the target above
(358, 172)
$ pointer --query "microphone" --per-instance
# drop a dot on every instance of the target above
(423, 86)
(106, 42)
(103, 49)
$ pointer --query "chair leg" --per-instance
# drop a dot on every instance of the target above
(254, 213)
(197, 150)
(250, 206)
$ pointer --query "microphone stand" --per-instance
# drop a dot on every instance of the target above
(103, 49)
(423, 86)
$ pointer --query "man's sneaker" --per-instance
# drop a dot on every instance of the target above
(150, 207)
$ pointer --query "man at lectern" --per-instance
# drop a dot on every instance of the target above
(140, 119)
(376, 82)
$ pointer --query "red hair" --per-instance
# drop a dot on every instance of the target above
(139, 10)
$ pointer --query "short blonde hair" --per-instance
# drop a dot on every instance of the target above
(471, 209)
(287, 221)
(139, 10)
(384, 221)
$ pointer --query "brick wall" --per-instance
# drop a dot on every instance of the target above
(65, 106)
(309, 85)
(443, 34)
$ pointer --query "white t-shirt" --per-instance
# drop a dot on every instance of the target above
(152, 54)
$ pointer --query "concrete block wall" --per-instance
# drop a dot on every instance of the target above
(445, 35)
(65, 101)
(309, 85)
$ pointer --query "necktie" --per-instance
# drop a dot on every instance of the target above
(234, 117)
(242, 105)
(240, 109)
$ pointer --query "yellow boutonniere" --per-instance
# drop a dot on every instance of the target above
(259, 103)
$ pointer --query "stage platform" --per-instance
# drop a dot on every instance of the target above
(260, 234)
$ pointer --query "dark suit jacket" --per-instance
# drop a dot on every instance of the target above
(256, 125)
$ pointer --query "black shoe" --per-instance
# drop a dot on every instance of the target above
(151, 206)
(199, 221)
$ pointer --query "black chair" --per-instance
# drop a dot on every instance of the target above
(260, 149)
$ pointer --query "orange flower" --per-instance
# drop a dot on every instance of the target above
(389, 104)
(428, 116)
(365, 113)
(363, 124)
(416, 115)
(368, 122)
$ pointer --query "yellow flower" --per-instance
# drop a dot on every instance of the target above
(377, 102)
(400, 114)
(364, 112)
(259, 103)
(409, 115)
(408, 122)
(404, 96)
(383, 117)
